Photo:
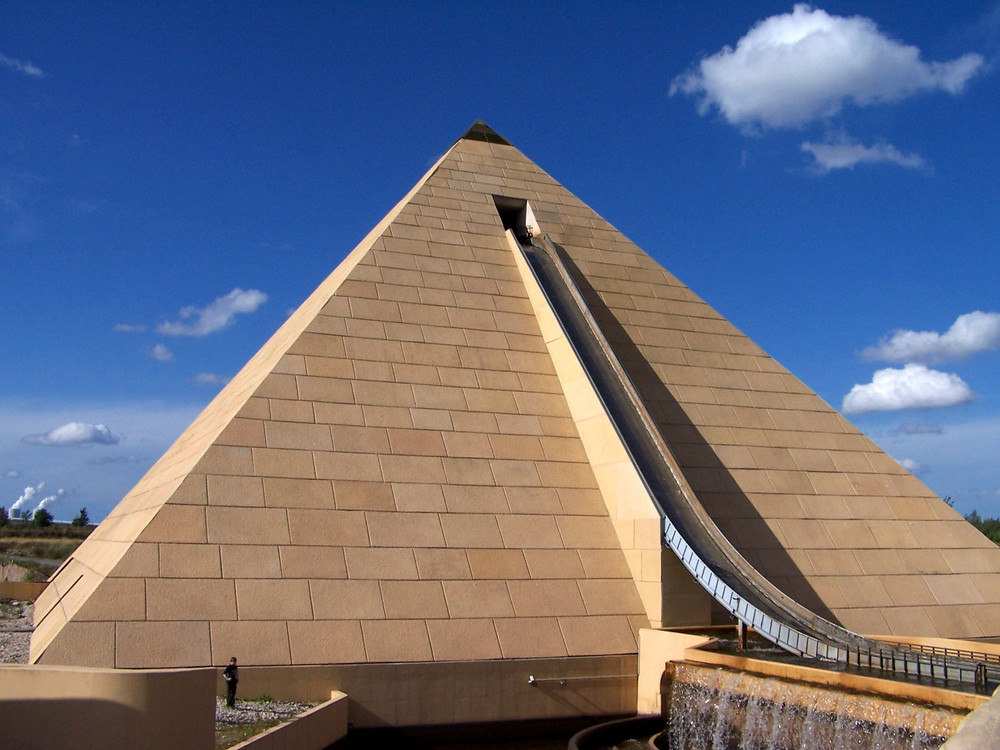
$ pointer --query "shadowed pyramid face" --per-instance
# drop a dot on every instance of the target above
(410, 471)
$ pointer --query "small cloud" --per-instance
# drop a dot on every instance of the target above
(912, 387)
(22, 67)
(795, 68)
(845, 154)
(161, 353)
(216, 316)
(12, 474)
(972, 333)
(109, 460)
(77, 434)
(127, 328)
(208, 378)
(83, 207)
(918, 428)
(914, 467)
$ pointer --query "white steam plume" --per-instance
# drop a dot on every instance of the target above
(27, 496)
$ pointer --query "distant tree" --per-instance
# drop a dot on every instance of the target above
(3, 516)
(82, 519)
(42, 518)
(989, 526)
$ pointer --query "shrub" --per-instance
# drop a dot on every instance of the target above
(82, 519)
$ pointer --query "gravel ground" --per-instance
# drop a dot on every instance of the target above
(256, 712)
(16, 623)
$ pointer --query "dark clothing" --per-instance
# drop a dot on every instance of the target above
(231, 675)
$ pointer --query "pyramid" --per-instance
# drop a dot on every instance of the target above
(414, 469)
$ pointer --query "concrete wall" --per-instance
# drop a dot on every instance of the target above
(49, 707)
(315, 729)
(670, 596)
(656, 648)
(429, 693)
(21, 590)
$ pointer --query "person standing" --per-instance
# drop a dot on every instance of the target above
(231, 675)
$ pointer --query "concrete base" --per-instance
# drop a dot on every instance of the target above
(450, 693)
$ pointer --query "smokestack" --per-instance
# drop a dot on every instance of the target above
(46, 502)
(26, 497)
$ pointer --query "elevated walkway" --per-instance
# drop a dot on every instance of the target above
(687, 528)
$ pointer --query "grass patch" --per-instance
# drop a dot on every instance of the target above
(40, 549)
(45, 549)
(21, 529)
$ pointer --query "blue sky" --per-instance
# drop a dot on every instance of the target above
(175, 177)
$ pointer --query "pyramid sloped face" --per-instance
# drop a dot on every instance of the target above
(405, 484)
(397, 476)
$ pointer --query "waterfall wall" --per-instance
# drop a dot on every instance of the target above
(714, 708)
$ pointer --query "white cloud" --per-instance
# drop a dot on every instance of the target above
(112, 460)
(971, 333)
(216, 316)
(12, 474)
(913, 466)
(151, 427)
(918, 428)
(912, 387)
(845, 154)
(22, 67)
(794, 68)
(209, 378)
(127, 328)
(78, 434)
(161, 353)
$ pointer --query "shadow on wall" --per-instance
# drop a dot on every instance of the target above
(84, 709)
(713, 484)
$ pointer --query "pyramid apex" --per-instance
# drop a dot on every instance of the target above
(480, 131)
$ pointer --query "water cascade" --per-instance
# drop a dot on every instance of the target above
(712, 708)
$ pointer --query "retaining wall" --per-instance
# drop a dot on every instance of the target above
(315, 729)
(96, 709)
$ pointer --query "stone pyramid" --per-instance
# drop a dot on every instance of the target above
(409, 471)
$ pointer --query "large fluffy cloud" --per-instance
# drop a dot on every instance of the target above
(215, 316)
(912, 387)
(972, 333)
(797, 67)
(77, 434)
